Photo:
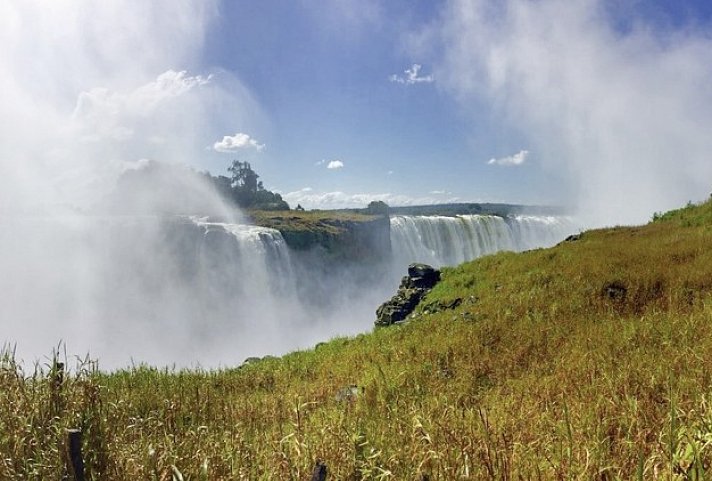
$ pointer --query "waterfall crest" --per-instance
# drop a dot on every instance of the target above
(447, 241)
(245, 258)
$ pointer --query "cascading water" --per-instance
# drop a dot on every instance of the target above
(180, 290)
(246, 258)
(447, 241)
(158, 289)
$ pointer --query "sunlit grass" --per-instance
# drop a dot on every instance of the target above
(542, 372)
(329, 221)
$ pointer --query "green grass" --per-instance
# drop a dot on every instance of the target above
(539, 373)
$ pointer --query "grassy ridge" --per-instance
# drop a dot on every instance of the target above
(590, 360)
(328, 221)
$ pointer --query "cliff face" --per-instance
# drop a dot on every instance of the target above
(338, 236)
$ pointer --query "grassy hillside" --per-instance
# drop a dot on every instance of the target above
(590, 360)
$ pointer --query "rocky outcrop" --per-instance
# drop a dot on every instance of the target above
(614, 291)
(420, 280)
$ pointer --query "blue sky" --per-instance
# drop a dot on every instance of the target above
(601, 105)
(322, 75)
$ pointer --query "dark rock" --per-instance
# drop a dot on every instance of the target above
(614, 291)
(571, 238)
(423, 275)
(406, 283)
(439, 306)
(413, 287)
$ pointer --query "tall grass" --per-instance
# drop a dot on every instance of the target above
(590, 360)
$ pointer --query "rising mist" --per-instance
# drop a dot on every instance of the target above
(150, 275)
(620, 112)
(110, 276)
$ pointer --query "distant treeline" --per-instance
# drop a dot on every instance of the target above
(502, 210)
(170, 188)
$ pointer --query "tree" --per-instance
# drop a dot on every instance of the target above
(247, 191)
(243, 177)
(377, 207)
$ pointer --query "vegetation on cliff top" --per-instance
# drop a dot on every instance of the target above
(345, 235)
(589, 360)
(329, 221)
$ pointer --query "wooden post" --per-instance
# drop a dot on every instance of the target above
(74, 454)
(319, 473)
(56, 382)
(57, 375)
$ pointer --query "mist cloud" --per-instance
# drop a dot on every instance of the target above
(89, 91)
(623, 115)
(102, 114)
(98, 100)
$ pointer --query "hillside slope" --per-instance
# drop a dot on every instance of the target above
(589, 360)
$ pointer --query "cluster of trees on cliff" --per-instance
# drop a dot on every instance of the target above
(244, 189)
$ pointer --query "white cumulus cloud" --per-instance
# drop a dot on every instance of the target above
(412, 76)
(517, 159)
(239, 141)
(335, 164)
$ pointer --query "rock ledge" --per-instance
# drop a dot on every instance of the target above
(420, 280)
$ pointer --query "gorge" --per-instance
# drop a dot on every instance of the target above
(182, 290)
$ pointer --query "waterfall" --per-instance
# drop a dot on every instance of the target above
(447, 241)
(245, 258)
(167, 289)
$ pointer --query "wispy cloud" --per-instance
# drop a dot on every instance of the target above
(412, 76)
(335, 164)
(239, 141)
(311, 199)
(517, 159)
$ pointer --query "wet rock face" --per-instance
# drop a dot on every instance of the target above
(420, 280)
